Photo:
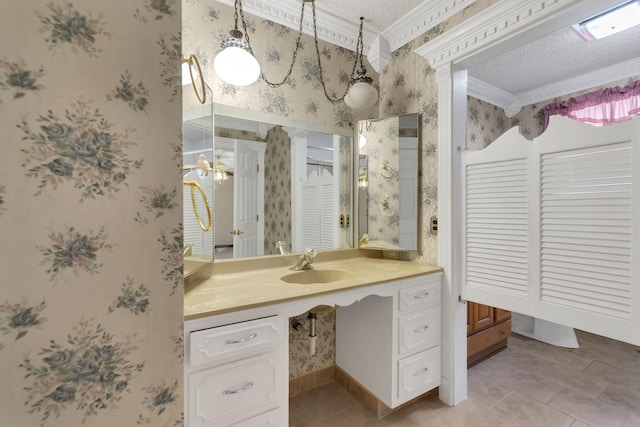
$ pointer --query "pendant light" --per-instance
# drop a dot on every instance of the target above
(361, 94)
(235, 64)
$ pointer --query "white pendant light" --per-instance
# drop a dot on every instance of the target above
(235, 64)
(362, 94)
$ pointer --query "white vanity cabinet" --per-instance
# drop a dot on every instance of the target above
(391, 345)
(236, 371)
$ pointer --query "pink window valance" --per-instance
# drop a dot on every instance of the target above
(598, 108)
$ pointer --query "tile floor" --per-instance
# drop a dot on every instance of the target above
(529, 384)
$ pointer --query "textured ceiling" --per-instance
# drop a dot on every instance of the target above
(378, 14)
(558, 56)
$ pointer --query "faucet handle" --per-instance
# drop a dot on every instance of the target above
(311, 252)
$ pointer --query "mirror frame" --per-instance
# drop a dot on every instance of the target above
(258, 116)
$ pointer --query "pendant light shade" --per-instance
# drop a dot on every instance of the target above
(361, 96)
(235, 64)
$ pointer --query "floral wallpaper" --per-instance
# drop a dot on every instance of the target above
(277, 184)
(206, 23)
(92, 266)
(301, 361)
(408, 85)
(485, 122)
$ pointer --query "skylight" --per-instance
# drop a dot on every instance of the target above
(611, 22)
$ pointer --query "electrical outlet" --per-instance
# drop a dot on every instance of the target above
(433, 225)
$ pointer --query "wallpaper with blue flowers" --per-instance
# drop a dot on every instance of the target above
(91, 290)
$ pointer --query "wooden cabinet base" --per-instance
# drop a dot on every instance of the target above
(489, 339)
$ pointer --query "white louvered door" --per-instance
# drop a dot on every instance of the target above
(575, 265)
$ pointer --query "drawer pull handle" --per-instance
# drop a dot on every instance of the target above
(422, 329)
(421, 296)
(420, 372)
(245, 387)
(249, 338)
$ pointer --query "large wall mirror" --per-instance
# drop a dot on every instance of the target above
(278, 185)
(389, 183)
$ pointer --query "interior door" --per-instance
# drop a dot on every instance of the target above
(549, 226)
(246, 201)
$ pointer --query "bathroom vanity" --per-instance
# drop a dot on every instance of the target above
(236, 332)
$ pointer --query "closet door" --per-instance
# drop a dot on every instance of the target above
(551, 234)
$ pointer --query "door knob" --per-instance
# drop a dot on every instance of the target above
(236, 232)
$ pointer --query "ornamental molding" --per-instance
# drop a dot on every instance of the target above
(491, 26)
(340, 32)
(331, 28)
(421, 19)
(513, 103)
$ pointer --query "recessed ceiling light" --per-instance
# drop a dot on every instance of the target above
(611, 22)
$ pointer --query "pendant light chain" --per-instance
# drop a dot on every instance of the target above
(295, 52)
(359, 49)
(320, 70)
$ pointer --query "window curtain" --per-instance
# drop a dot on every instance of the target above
(598, 108)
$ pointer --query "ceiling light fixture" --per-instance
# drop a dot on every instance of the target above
(236, 64)
(610, 22)
(219, 174)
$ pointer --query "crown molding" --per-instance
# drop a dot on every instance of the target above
(422, 18)
(513, 103)
(494, 95)
(379, 53)
(494, 24)
(331, 28)
(588, 80)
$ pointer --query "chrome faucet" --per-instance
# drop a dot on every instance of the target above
(304, 263)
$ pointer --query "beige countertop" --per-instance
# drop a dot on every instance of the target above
(238, 285)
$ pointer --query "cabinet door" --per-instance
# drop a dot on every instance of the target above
(470, 317)
(482, 317)
(499, 314)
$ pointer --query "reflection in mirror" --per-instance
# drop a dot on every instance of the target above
(389, 153)
(197, 178)
(277, 189)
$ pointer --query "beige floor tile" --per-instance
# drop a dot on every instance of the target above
(633, 421)
(603, 349)
(622, 396)
(576, 381)
(475, 414)
(612, 374)
(484, 389)
(578, 423)
(530, 384)
(301, 417)
(512, 360)
(530, 413)
(325, 401)
(591, 411)
(351, 417)
(554, 354)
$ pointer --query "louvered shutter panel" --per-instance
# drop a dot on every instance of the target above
(496, 226)
(586, 229)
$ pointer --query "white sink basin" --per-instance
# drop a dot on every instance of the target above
(307, 277)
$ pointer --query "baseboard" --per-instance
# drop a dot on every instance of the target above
(311, 380)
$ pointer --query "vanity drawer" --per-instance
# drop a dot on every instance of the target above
(418, 374)
(419, 296)
(235, 340)
(227, 394)
(270, 419)
(418, 331)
